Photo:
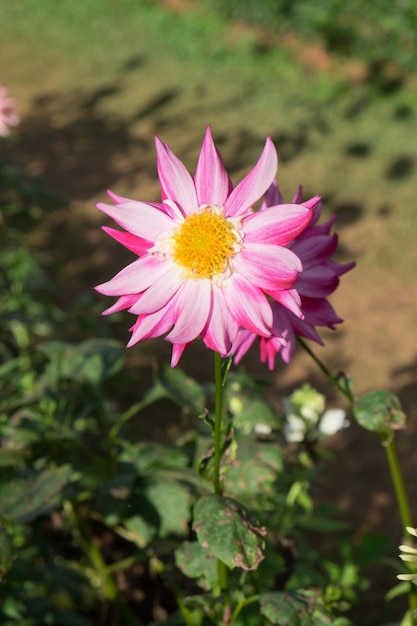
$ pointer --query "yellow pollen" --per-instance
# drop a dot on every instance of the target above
(204, 243)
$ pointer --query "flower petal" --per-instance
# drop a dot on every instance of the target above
(140, 218)
(212, 182)
(319, 312)
(289, 299)
(177, 350)
(135, 244)
(222, 329)
(255, 184)
(153, 325)
(268, 267)
(191, 305)
(116, 198)
(135, 277)
(278, 224)
(158, 294)
(242, 344)
(273, 196)
(317, 282)
(176, 182)
(248, 305)
(124, 302)
(315, 250)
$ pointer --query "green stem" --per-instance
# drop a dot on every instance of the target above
(394, 467)
(222, 571)
(241, 605)
(399, 486)
(334, 380)
(405, 512)
(217, 482)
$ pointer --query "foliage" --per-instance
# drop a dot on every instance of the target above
(82, 502)
(85, 503)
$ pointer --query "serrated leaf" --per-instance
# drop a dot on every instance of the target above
(227, 529)
(196, 562)
(30, 495)
(182, 389)
(379, 411)
(91, 361)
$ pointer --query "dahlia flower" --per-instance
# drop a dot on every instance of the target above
(8, 115)
(209, 265)
(320, 277)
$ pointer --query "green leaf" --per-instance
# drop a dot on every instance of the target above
(156, 507)
(150, 456)
(30, 495)
(226, 528)
(293, 609)
(91, 361)
(196, 562)
(285, 609)
(255, 469)
(379, 411)
(182, 389)
(246, 402)
(171, 501)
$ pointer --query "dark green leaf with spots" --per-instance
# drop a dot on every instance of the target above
(380, 411)
(227, 529)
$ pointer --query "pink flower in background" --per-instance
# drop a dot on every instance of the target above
(320, 277)
(208, 265)
(8, 115)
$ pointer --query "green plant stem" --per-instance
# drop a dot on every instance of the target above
(222, 571)
(399, 485)
(393, 464)
(404, 508)
(217, 482)
(241, 605)
(332, 379)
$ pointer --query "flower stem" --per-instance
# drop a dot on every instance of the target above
(405, 512)
(222, 571)
(334, 380)
(217, 482)
(399, 487)
(393, 464)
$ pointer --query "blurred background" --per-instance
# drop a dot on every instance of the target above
(332, 82)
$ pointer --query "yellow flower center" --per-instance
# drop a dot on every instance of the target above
(205, 242)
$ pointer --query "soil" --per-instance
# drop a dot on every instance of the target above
(80, 153)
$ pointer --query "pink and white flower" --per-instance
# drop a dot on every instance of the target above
(320, 277)
(209, 265)
(8, 115)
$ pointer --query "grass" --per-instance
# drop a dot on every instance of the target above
(151, 71)
(351, 140)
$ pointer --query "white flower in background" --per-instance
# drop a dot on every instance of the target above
(305, 416)
(332, 421)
